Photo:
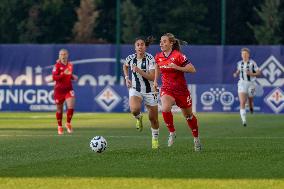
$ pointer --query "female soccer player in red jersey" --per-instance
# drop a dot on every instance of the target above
(62, 74)
(172, 64)
(142, 65)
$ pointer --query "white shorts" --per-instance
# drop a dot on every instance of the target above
(247, 87)
(150, 99)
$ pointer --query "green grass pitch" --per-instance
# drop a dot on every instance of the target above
(33, 156)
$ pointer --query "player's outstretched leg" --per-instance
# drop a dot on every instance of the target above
(168, 119)
(59, 116)
(192, 123)
(251, 105)
(243, 99)
(139, 122)
(69, 116)
(243, 117)
(135, 103)
(153, 118)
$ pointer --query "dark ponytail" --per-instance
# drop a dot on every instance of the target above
(148, 40)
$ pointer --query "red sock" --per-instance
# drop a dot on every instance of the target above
(168, 118)
(192, 123)
(59, 118)
(69, 115)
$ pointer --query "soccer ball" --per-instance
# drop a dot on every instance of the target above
(98, 144)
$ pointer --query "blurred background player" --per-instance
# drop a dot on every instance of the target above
(62, 74)
(247, 69)
(172, 64)
(142, 66)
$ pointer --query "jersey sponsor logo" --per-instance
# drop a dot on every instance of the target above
(108, 98)
(275, 100)
(272, 73)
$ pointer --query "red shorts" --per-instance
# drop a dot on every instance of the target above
(182, 100)
(59, 98)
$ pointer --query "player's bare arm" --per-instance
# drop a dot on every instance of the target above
(150, 75)
(74, 77)
(236, 73)
(257, 73)
(126, 77)
(157, 74)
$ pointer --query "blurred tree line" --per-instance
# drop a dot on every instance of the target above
(93, 21)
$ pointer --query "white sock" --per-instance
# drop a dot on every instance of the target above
(243, 115)
(155, 133)
(172, 133)
(138, 116)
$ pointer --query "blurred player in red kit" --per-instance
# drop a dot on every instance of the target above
(62, 74)
(172, 65)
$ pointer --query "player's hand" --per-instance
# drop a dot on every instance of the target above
(49, 79)
(235, 75)
(75, 77)
(128, 83)
(136, 69)
(249, 73)
(156, 86)
(172, 65)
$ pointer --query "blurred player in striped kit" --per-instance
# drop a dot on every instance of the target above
(247, 70)
(142, 66)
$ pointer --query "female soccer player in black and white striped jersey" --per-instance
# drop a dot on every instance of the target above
(247, 70)
(142, 66)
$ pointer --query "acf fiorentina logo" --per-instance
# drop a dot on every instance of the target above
(108, 98)
(272, 73)
(275, 100)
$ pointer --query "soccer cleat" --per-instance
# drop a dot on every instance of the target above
(171, 139)
(244, 123)
(60, 130)
(251, 110)
(155, 143)
(139, 124)
(69, 128)
(197, 144)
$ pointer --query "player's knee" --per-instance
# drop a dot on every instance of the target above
(135, 111)
(166, 108)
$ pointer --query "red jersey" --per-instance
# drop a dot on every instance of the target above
(63, 81)
(172, 80)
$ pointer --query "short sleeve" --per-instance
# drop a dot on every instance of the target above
(239, 66)
(152, 61)
(127, 60)
(254, 67)
(55, 70)
(183, 61)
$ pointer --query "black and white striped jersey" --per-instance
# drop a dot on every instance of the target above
(146, 64)
(248, 66)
